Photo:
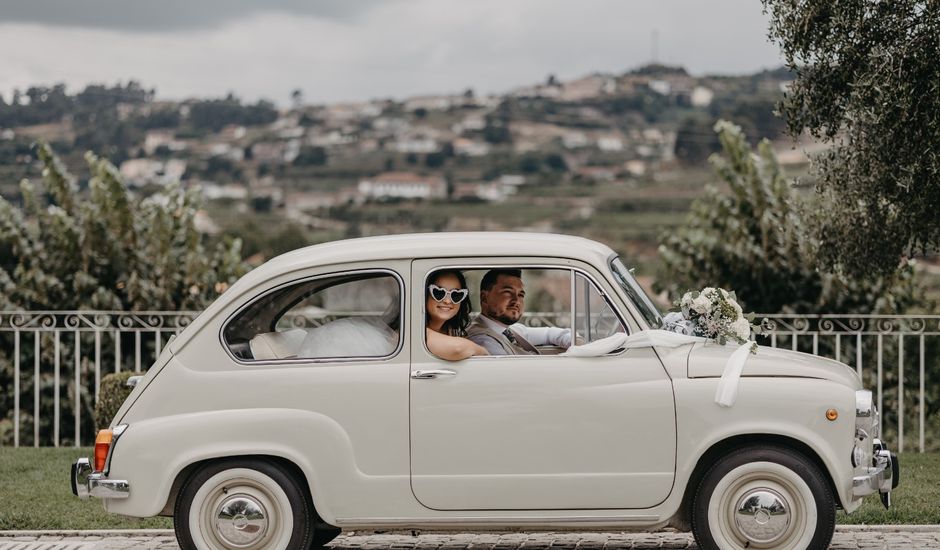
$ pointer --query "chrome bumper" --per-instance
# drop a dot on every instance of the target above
(87, 483)
(881, 478)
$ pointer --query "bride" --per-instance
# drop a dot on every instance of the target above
(447, 316)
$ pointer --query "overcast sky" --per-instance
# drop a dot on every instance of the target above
(335, 50)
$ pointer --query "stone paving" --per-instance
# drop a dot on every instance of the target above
(926, 537)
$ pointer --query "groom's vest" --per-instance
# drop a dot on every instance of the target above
(479, 329)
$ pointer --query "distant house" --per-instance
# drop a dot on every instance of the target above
(635, 167)
(429, 103)
(330, 139)
(470, 123)
(486, 191)
(610, 144)
(574, 140)
(155, 139)
(597, 173)
(470, 148)
(514, 180)
(236, 154)
(214, 191)
(143, 171)
(404, 185)
(232, 132)
(587, 87)
(416, 144)
(661, 87)
(269, 151)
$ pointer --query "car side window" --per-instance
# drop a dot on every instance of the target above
(344, 316)
(594, 319)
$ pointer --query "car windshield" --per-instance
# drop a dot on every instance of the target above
(636, 294)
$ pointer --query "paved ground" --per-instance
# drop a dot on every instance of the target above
(925, 537)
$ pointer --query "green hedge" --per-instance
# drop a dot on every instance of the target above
(114, 390)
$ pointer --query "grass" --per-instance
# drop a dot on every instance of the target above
(35, 494)
(914, 502)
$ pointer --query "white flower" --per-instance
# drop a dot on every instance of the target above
(700, 304)
(742, 328)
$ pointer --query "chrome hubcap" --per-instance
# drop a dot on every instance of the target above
(241, 520)
(762, 516)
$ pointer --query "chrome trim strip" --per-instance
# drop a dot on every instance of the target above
(878, 479)
(86, 483)
(81, 469)
(99, 487)
(115, 436)
(863, 403)
(524, 520)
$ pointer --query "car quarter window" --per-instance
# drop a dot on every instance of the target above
(540, 306)
(340, 316)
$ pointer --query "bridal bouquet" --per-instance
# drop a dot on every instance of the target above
(712, 313)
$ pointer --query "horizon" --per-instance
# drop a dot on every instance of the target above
(339, 52)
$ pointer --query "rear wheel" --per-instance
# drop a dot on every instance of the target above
(244, 504)
(763, 497)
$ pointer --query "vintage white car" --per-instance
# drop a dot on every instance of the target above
(305, 400)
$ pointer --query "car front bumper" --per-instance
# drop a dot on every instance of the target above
(88, 483)
(882, 476)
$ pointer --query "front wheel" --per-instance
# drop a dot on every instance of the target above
(764, 497)
(245, 504)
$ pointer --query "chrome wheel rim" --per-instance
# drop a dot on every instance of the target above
(241, 509)
(241, 521)
(762, 516)
(762, 505)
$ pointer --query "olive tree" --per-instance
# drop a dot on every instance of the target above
(759, 239)
(102, 249)
(867, 80)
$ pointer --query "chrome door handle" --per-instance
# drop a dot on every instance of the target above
(425, 374)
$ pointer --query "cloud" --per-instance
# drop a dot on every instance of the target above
(169, 15)
(391, 49)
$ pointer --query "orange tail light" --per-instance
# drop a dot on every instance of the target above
(102, 445)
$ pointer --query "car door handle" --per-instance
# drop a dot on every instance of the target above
(424, 374)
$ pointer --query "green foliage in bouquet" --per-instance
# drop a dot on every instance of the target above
(759, 238)
(114, 390)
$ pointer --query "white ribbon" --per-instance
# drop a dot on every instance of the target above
(727, 390)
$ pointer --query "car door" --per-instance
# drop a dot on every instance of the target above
(539, 432)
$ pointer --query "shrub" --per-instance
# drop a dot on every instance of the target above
(114, 390)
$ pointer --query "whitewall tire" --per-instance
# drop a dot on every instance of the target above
(243, 505)
(763, 497)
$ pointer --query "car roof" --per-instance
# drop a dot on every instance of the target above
(408, 246)
(440, 245)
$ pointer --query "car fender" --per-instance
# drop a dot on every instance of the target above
(151, 453)
(792, 408)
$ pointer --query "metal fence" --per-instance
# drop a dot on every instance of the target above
(62, 355)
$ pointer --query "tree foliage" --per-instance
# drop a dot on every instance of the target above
(100, 248)
(867, 79)
(107, 250)
(758, 240)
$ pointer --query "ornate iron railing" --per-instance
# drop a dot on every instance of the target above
(61, 356)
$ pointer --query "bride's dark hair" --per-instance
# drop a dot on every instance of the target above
(456, 325)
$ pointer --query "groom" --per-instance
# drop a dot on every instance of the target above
(502, 303)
